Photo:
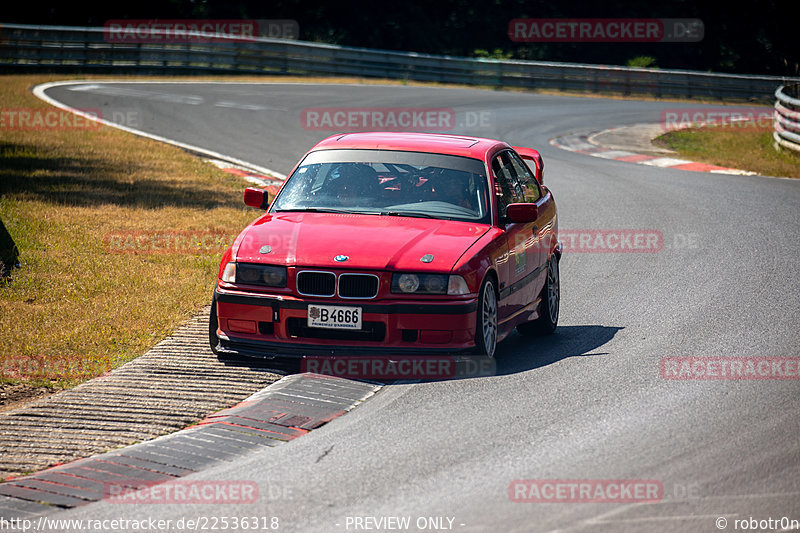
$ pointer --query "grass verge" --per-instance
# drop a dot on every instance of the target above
(90, 208)
(745, 148)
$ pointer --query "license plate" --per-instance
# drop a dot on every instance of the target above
(334, 317)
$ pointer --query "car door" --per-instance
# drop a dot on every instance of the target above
(537, 247)
(522, 270)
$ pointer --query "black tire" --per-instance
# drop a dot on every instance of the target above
(213, 323)
(549, 307)
(486, 330)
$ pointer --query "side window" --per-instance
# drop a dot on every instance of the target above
(530, 188)
(505, 183)
(517, 183)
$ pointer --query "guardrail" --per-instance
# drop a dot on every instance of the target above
(787, 117)
(25, 47)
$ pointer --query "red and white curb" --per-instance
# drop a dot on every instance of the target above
(581, 143)
(271, 183)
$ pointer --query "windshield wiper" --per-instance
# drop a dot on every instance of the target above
(313, 210)
(328, 210)
(406, 214)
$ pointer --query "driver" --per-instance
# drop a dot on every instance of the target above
(357, 184)
(452, 189)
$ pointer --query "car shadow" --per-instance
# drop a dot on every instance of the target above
(519, 354)
(277, 365)
(514, 355)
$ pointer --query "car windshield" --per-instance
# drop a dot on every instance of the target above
(384, 182)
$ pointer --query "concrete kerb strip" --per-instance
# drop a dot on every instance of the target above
(281, 412)
(633, 144)
(176, 383)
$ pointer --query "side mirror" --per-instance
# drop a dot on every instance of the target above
(256, 198)
(522, 213)
(533, 155)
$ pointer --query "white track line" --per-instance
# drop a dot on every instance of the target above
(39, 92)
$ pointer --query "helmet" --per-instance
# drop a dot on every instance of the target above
(356, 184)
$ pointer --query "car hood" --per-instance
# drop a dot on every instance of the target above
(370, 242)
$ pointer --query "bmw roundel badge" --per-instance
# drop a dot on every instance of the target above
(341, 258)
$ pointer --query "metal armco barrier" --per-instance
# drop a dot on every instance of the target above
(59, 48)
(787, 117)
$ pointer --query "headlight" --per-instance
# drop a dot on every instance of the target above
(248, 274)
(428, 284)
(275, 277)
(435, 284)
(253, 274)
(407, 282)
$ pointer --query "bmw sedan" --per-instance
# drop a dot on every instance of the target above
(393, 243)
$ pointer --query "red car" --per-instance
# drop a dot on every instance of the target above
(393, 243)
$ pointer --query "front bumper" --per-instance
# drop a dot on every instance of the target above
(264, 325)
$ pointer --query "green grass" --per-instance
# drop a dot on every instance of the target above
(742, 147)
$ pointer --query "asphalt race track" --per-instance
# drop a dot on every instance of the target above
(588, 403)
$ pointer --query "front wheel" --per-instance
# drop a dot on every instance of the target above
(548, 308)
(486, 326)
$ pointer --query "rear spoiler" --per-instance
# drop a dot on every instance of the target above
(532, 155)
